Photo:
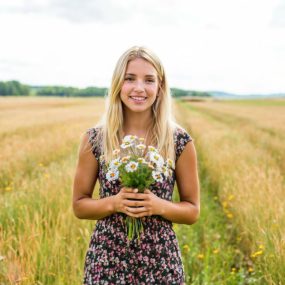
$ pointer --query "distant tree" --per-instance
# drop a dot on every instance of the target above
(176, 92)
(3, 88)
(13, 88)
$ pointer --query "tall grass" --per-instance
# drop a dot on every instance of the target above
(250, 179)
(238, 239)
(41, 242)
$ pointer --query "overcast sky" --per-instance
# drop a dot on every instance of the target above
(234, 46)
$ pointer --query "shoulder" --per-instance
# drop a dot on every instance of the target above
(181, 134)
(93, 136)
(181, 139)
(94, 132)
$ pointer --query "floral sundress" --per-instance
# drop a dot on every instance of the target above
(156, 258)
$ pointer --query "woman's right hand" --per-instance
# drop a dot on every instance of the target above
(121, 201)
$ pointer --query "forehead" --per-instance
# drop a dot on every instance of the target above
(140, 66)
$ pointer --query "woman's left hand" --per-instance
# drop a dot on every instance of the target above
(149, 205)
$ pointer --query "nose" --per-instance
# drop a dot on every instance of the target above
(139, 87)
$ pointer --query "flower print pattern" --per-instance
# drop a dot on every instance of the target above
(155, 258)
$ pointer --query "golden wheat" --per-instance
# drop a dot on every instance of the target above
(249, 176)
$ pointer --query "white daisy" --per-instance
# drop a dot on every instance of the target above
(112, 175)
(129, 138)
(170, 163)
(115, 163)
(152, 148)
(141, 160)
(125, 159)
(131, 166)
(126, 144)
(165, 171)
(157, 176)
(156, 158)
(141, 146)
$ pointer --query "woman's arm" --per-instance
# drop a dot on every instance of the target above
(84, 207)
(188, 209)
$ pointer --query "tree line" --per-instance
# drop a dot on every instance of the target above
(15, 88)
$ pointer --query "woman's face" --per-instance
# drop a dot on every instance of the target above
(140, 86)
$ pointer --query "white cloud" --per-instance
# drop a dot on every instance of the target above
(206, 45)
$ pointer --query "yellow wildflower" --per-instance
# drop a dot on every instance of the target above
(186, 248)
(257, 253)
(215, 251)
(200, 256)
(231, 197)
(250, 269)
(230, 215)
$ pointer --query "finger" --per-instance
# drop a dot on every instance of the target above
(126, 190)
(130, 190)
(131, 203)
(140, 196)
(136, 210)
(147, 191)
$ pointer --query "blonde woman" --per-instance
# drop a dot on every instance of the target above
(139, 103)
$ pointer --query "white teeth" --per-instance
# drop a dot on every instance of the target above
(139, 98)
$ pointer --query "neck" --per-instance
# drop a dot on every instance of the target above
(137, 123)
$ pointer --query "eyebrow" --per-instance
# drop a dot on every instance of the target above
(148, 75)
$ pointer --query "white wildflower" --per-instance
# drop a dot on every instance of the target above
(141, 160)
(165, 171)
(126, 144)
(131, 166)
(129, 138)
(125, 159)
(141, 146)
(112, 175)
(152, 148)
(115, 163)
(157, 176)
(156, 158)
(170, 163)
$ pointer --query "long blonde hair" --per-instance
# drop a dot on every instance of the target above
(161, 132)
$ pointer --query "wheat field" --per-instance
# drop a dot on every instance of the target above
(239, 238)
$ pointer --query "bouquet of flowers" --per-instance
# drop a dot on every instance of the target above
(137, 166)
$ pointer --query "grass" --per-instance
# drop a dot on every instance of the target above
(240, 160)
(239, 238)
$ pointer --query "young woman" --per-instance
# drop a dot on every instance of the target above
(139, 103)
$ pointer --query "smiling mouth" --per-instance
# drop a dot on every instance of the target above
(138, 99)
